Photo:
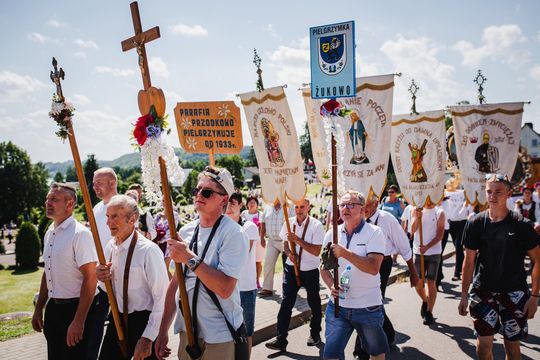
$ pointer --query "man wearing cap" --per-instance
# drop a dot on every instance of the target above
(214, 258)
(307, 236)
(68, 285)
(496, 242)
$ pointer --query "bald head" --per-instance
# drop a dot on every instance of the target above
(104, 183)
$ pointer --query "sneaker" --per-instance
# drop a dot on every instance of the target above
(278, 344)
(265, 292)
(428, 319)
(423, 309)
(313, 340)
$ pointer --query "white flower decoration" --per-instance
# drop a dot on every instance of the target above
(223, 110)
(185, 123)
(191, 143)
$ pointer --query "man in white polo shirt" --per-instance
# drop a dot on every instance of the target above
(307, 235)
(69, 280)
(360, 251)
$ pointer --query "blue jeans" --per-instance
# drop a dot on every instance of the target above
(310, 281)
(247, 301)
(368, 323)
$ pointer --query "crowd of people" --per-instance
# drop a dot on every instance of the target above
(224, 251)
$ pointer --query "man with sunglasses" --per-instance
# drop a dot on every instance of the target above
(307, 236)
(213, 257)
(496, 242)
(361, 247)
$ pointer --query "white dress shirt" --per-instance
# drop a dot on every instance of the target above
(67, 247)
(396, 239)
(314, 236)
(148, 279)
(100, 213)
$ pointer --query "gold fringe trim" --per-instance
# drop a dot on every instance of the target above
(489, 112)
(362, 87)
(423, 118)
(263, 99)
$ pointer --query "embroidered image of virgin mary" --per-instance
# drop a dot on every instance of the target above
(418, 174)
(358, 135)
(271, 144)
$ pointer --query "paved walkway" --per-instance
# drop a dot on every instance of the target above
(34, 346)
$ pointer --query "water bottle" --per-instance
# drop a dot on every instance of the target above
(344, 282)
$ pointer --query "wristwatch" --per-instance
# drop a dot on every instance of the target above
(193, 263)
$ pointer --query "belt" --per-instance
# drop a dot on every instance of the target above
(64, 301)
(387, 257)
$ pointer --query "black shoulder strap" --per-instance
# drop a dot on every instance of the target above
(237, 339)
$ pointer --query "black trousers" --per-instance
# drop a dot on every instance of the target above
(97, 326)
(456, 232)
(137, 321)
(310, 281)
(57, 319)
(440, 275)
(384, 272)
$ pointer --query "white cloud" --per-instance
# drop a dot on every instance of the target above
(158, 67)
(497, 42)
(116, 72)
(172, 97)
(80, 55)
(14, 86)
(41, 39)
(80, 100)
(55, 23)
(418, 58)
(87, 44)
(535, 73)
(189, 31)
(272, 31)
(291, 62)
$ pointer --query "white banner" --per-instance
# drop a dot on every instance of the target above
(487, 141)
(276, 144)
(362, 164)
(418, 150)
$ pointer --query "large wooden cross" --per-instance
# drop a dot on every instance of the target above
(138, 41)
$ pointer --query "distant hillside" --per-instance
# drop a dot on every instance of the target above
(134, 160)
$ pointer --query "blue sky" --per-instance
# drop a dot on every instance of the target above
(206, 49)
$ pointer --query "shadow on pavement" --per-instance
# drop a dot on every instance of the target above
(293, 355)
(460, 335)
(409, 353)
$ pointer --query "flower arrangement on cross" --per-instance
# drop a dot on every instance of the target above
(61, 112)
(149, 126)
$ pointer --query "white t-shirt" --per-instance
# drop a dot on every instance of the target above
(248, 276)
(406, 216)
(228, 255)
(314, 235)
(251, 217)
(364, 289)
(430, 218)
(100, 213)
(396, 239)
(455, 208)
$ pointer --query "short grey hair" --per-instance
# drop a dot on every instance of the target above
(127, 203)
(358, 195)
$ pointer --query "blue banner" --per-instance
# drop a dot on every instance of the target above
(333, 70)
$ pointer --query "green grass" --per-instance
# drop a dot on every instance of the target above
(10, 329)
(18, 289)
(313, 189)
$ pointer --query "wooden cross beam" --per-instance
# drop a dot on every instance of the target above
(138, 41)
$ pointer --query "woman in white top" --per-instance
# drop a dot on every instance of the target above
(252, 214)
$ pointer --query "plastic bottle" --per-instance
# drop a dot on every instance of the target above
(344, 281)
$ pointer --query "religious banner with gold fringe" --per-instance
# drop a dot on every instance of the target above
(276, 144)
(418, 151)
(487, 141)
(362, 165)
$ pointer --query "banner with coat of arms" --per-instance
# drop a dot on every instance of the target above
(487, 141)
(362, 162)
(276, 144)
(418, 150)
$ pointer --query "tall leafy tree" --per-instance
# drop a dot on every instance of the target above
(235, 164)
(89, 167)
(71, 174)
(252, 158)
(58, 177)
(305, 144)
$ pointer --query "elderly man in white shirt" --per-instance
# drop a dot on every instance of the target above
(139, 280)
(396, 243)
(69, 280)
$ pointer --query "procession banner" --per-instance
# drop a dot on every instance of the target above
(362, 162)
(418, 155)
(276, 144)
(209, 126)
(487, 141)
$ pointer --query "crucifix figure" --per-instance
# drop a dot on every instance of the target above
(56, 76)
(138, 41)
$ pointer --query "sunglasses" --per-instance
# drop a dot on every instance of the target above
(391, 192)
(497, 177)
(206, 193)
(349, 206)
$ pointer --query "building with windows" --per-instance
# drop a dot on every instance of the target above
(530, 140)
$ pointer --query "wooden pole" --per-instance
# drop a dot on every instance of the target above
(335, 220)
(167, 205)
(422, 272)
(95, 234)
(291, 244)
(211, 157)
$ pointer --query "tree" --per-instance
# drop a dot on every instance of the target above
(71, 174)
(252, 158)
(27, 247)
(190, 184)
(58, 177)
(23, 185)
(305, 144)
(235, 164)
(89, 167)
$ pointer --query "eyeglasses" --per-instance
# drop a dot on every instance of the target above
(349, 206)
(391, 192)
(206, 193)
(497, 177)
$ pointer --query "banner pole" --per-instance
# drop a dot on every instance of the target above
(422, 272)
(291, 244)
(335, 220)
